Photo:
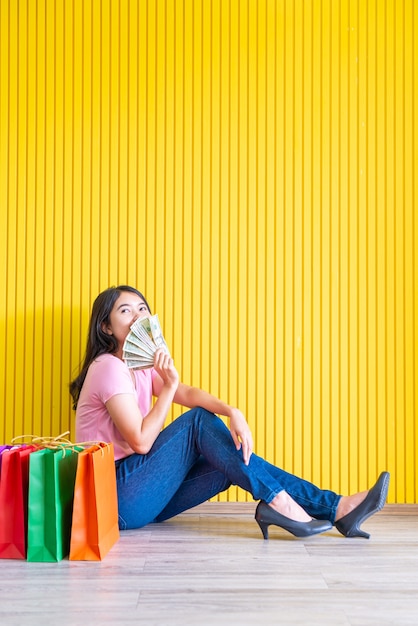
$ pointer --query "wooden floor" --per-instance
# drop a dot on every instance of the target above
(211, 566)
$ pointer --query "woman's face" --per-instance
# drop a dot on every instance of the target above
(127, 308)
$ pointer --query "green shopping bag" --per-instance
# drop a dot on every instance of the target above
(50, 502)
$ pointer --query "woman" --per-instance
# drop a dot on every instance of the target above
(164, 471)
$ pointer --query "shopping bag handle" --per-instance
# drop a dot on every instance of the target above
(44, 440)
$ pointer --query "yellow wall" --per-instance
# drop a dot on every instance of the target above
(251, 167)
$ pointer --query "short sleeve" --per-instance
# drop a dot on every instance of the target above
(110, 377)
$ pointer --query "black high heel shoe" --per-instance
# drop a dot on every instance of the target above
(349, 525)
(265, 516)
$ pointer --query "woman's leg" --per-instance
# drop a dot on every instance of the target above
(201, 483)
(319, 503)
(171, 478)
(147, 483)
(260, 478)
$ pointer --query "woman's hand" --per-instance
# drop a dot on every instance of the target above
(241, 434)
(193, 397)
(164, 366)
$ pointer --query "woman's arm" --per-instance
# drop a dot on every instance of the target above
(138, 430)
(192, 397)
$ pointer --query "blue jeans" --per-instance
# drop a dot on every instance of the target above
(193, 459)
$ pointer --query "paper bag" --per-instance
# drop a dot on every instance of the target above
(50, 502)
(94, 527)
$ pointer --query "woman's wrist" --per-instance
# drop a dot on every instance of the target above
(171, 384)
(231, 411)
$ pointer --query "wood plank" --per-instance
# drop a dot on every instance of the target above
(210, 566)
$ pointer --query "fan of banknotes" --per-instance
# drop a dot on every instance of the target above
(144, 338)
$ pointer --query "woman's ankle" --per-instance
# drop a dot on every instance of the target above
(348, 503)
(283, 503)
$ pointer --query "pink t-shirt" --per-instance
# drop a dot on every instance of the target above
(106, 377)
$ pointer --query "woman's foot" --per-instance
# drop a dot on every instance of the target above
(348, 503)
(285, 505)
(265, 516)
(352, 511)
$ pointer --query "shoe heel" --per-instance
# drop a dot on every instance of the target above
(357, 532)
(349, 525)
(264, 528)
(354, 531)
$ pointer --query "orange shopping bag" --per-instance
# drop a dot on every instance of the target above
(94, 528)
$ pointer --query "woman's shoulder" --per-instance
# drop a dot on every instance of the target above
(106, 376)
(108, 363)
(108, 358)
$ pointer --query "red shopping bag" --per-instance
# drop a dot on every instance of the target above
(14, 501)
(94, 528)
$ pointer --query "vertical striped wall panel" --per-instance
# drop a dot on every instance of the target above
(251, 166)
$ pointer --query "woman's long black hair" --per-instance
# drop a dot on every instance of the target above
(98, 341)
